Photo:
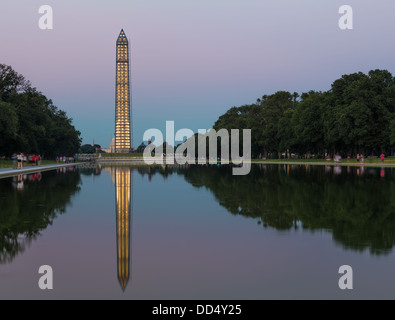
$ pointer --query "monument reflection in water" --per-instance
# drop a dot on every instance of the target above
(122, 179)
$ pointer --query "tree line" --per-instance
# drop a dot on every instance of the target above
(357, 115)
(30, 122)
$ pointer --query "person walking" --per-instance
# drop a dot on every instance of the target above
(357, 156)
(14, 160)
(19, 158)
(382, 157)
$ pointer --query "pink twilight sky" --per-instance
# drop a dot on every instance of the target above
(191, 60)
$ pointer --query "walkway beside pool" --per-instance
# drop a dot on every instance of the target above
(328, 163)
(10, 172)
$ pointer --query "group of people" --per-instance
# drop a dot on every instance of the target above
(35, 159)
(66, 159)
(361, 157)
(18, 160)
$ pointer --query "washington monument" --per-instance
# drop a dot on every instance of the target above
(122, 141)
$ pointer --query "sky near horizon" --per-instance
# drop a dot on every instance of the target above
(190, 60)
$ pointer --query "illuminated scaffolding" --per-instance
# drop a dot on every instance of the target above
(123, 196)
(122, 96)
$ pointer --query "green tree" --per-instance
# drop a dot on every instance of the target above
(274, 107)
(11, 83)
(308, 123)
(392, 132)
(31, 123)
(286, 132)
(244, 117)
(88, 148)
(8, 127)
(355, 115)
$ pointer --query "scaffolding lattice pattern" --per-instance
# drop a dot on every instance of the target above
(122, 96)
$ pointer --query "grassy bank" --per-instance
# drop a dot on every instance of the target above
(121, 155)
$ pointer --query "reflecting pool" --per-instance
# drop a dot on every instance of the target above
(198, 232)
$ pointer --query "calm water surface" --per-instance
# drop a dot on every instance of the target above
(282, 232)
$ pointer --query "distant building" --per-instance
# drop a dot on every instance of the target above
(111, 149)
(122, 143)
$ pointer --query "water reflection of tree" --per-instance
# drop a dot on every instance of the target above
(357, 206)
(24, 213)
(358, 210)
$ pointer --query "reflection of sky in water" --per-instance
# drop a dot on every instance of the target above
(184, 245)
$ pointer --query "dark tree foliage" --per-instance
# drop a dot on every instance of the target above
(357, 115)
(88, 148)
(31, 123)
